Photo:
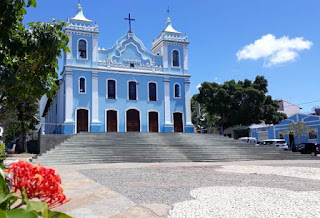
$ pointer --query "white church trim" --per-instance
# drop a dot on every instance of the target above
(188, 102)
(167, 101)
(69, 97)
(95, 98)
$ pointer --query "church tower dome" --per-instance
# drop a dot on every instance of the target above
(80, 16)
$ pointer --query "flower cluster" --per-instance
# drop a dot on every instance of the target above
(38, 182)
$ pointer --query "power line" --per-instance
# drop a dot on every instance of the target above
(310, 102)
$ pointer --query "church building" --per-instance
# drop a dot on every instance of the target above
(122, 89)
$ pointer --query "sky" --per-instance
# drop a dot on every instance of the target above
(229, 39)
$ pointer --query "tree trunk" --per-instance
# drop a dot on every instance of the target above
(24, 134)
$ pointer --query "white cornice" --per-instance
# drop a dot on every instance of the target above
(124, 71)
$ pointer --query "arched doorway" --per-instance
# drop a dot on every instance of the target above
(153, 122)
(82, 120)
(133, 120)
(177, 120)
(112, 121)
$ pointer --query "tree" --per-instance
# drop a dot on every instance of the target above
(240, 103)
(203, 119)
(28, 61)
(299, 129)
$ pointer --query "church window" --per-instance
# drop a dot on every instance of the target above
(175, 58)
(82, 49)
(152, 91)
(132, 90)
(177, 91)
(82, 85)
(313, 134)
(111, 89)
(131, 64)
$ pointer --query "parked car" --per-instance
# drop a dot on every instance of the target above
(308, 148)
(277, 143)
(249, 140)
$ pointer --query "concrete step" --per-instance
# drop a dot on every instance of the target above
(86, 148)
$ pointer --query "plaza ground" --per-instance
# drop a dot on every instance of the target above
(274, 188)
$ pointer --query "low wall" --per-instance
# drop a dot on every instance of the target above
(48, 142)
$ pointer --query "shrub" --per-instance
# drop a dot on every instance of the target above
(30, 182)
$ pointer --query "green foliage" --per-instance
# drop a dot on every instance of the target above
(33, 209)
(203, 119)
(239, 103)
(2, 155)
(28, 61)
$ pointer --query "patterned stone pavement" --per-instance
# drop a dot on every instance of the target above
(236, 189)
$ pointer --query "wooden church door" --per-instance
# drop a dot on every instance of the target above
(112, 122)
(133, 121)
(177, 120)
(82, 120)
(153, 122)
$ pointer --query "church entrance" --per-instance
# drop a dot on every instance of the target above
(133, 121)
(153, 122)
(177, 122)
(112, 121)
(82, 120)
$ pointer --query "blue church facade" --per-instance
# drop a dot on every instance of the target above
(281, 130)
(124, 88)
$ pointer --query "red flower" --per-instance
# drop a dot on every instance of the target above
(38, 182)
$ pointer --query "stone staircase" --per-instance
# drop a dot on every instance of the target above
(92, 148)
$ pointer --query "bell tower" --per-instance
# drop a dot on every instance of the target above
(83, 40)
(173, 47)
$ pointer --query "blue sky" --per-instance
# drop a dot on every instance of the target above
(218, 31)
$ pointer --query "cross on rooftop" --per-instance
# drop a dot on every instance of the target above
(130, 19)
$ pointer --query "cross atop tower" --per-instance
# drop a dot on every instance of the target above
(168, 11)
(130, 19)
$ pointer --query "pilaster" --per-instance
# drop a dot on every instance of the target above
(95, 98)
(69, 97)
(167, 111)
(187, 101)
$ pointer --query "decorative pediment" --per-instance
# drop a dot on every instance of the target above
(130, 50)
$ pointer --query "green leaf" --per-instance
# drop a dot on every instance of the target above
(54, 214)
(3, 214)
(19, 213)
(38, 207)
(3, 199)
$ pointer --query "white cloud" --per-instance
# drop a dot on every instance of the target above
(198, 86)
(273, 50)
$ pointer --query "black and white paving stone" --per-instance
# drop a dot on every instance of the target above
(247, 189)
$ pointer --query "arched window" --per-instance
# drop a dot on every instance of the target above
(111, 89)
(82, 85)
(175, 59)
(82, 49)
(152, 91)
(177, 91)
(132, 90)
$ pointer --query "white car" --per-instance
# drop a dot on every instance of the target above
(277, 143)
(249, 140)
